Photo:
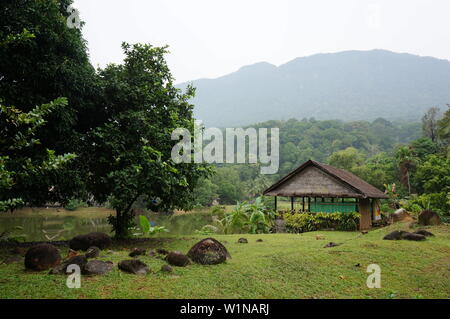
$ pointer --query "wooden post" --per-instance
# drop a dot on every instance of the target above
(292, 203)
(364, 207)
(303, 204)
(275, 203)
(309, 204)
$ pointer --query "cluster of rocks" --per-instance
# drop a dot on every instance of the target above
(401, 234)
(425, 218)
(46, 256)
(40, 257)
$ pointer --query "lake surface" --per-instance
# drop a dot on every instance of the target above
(43, 228)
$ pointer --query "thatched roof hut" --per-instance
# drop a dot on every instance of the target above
(316, 180)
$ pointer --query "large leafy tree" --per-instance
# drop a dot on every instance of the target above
(128, 155)
(42, 59)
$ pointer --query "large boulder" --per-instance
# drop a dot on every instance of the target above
(428, 217)
(97, 267)
(395, 235)
(412, 236)
(401, 234)
(84, 242)
(176, 258)
(208, 251)
(42, 257)
(424, 233)
(401, 215)
(134, 266)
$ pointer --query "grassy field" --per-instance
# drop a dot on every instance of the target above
(282, 266)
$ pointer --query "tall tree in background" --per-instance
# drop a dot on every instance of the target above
(405, 160)
(346, 159)
(429, 123)
(444, 128)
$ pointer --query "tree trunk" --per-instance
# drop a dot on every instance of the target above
(409, 184)
(122, 220)
(119, 227)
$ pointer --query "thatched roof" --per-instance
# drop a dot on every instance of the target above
(314, 179)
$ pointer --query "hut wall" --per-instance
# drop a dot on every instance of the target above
(312, 181)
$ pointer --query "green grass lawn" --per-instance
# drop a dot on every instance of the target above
(282, 266)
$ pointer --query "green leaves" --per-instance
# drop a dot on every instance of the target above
(144, 223)
(147, 229)
(16, 141)
(249, 218)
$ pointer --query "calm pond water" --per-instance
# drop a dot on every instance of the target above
(41, 228)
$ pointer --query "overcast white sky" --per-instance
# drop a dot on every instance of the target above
(210, 38)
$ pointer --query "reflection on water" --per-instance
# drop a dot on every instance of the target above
(42, 228)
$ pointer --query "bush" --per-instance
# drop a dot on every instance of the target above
(305, 222)
(438, 202)
(73, 204)
(411, 207)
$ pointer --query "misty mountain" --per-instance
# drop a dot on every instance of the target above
(350, 85)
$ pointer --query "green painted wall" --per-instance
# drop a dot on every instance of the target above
(333, 207)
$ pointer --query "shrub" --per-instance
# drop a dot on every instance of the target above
(305, 222)
(74, 203)
(252, 218)
(438, 202)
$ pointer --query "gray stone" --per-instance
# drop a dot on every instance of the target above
(166, 268)
(137, 252)
(242, 241)
(134, 266)
(92, 252)
(97, 267)
(330, 244)
(176, 258)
